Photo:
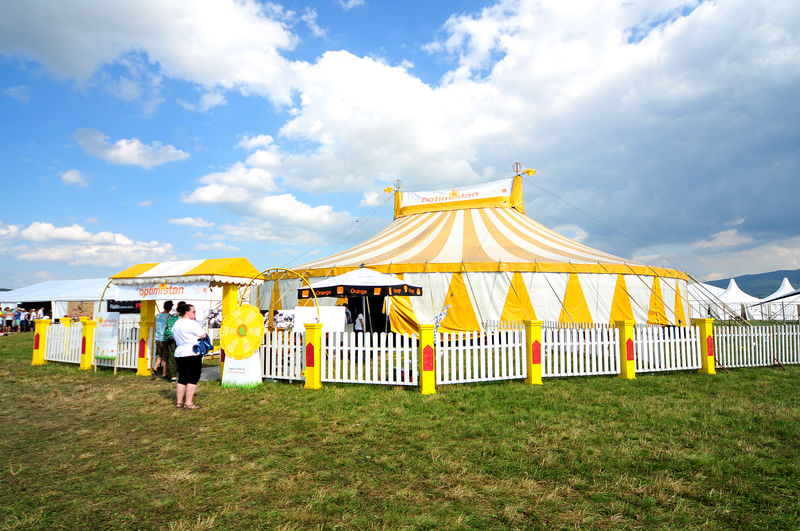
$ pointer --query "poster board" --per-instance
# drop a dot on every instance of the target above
(107, 333)
(77, 309)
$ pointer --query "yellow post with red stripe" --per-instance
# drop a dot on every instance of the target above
(533, 352)
(39, 340)
(627, 356)
(230, 301)
(707, 358)
(87, 343)
(147, 317)
(427, 360)
(313, 372)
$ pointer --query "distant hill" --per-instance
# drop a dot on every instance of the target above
(761, 284)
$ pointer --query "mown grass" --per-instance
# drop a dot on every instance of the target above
(681, 450)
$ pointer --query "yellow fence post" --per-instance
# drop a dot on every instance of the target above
(706, 345)
(87, 344)
(147, 317)
(427, 360)
(40, 340)
(313, 355)
(230, 301)
(627, 356)
(533, 352)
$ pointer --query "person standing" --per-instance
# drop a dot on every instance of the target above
(359, 324)
(162, 344)
(187, 332)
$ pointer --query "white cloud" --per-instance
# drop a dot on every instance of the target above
(725, 238)
(656, 118)
(191, 222)
(208, 101)
(371, 199)
(127, 151)
(74, 245)
(21, 93)
(74, 178)
(310, 18)
(572, 231)
(92, 220)
(146, 203)
(191, 41)
(8, 232)
(734, 256)
(347, 5)
(216, 246)
(43, 276)
(258, 141)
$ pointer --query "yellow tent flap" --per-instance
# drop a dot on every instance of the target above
(574, 308)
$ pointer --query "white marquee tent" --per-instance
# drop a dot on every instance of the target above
(59, 293)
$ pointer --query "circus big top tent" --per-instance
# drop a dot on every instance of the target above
(479, 258)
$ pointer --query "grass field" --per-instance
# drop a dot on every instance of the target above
(683, 451)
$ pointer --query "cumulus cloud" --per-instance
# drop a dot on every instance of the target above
(127, 151)
(74, 245)
(64, 38)
(663, 120)
(191, 222)
(74, 178)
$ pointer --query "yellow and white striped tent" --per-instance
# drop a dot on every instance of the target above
(479, 258)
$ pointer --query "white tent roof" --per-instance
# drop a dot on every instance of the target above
(734, 295)
(784, 289)
(88, 289)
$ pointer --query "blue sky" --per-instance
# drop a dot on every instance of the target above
(663, 131)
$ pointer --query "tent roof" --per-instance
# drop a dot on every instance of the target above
(214, 271)
(89, 289)
(784, 289)
(474, 238)
(735, 295)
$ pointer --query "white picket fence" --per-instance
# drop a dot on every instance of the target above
(585, 350)
(128, 347)
(756, 346)
(282, 355)
(464, 357)
(666, 348)
(370, 358)
(493, 326)
(63, 343)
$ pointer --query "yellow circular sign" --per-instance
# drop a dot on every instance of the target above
(242, 332)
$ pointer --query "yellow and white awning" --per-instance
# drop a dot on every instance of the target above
(215, 272)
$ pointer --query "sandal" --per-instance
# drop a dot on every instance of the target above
(191, 406)
(178, 405)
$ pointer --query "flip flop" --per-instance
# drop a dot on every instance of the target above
(191, 406)
(178, 406)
